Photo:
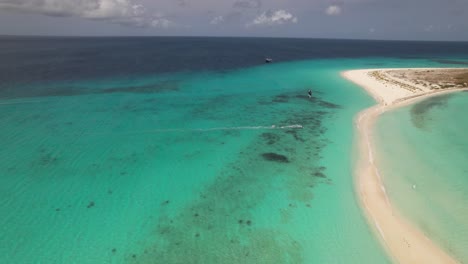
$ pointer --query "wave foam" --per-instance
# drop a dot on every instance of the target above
(169, 130)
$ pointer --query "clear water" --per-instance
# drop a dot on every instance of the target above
(424, 157)
(145, 151)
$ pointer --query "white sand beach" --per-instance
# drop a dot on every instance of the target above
(394, 88)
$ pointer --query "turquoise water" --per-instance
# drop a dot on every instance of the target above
(207, 168)
(424, 153)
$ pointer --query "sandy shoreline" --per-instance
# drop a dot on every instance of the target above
(404, 242)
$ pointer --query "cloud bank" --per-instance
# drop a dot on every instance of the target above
(124, 12)
(270, 18)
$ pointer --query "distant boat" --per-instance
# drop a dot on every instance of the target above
(268, 60)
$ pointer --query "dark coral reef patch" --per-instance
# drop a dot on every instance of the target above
(270, 156)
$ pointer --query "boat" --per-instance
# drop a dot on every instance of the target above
(268, 60)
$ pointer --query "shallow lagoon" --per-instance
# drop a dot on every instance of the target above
(117, 164)
(424, 149)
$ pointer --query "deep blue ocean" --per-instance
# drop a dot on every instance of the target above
(26, 60)
(187, 150)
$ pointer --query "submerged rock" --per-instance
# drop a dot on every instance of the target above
(319, 174)
(91, 204)
(270, 156)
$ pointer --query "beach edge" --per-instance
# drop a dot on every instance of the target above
(403, 242)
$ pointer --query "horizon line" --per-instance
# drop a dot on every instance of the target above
(202, 36)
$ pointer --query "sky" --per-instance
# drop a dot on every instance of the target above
(347, 19)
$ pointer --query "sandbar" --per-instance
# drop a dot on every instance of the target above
(393, 88)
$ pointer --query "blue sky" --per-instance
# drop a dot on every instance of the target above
(361, 19)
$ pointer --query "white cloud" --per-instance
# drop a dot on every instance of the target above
(217, 20)
(429, 28)
(333, 10)
(159, 21)
(125, 12)
(274, 18)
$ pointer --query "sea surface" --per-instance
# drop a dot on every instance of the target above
(187, 150)
(424, 160)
